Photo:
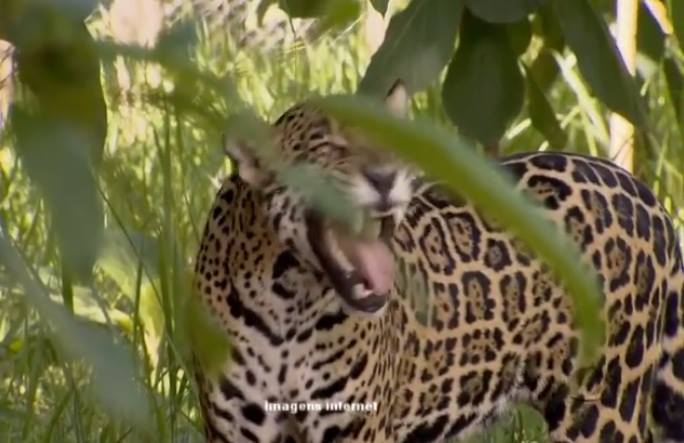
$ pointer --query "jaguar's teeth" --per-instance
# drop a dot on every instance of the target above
(361, 291)
(338, 253)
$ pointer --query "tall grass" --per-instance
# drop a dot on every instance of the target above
(161, 168)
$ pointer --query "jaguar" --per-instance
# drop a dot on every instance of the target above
(329, 343)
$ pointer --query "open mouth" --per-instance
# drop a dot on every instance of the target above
(358, 262)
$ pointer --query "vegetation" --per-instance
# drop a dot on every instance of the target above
(110, 158)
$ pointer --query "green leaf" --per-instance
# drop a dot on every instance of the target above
(483, 88)
(544, 67)
(547, 26)
(675, 89)
(55, 155)
(338, 13)
(23, 20)
(319, 192)
(58, 62)
(519, 36)
(677, 12)
(303, 8)
(658, 10)
(209, 342)
(650, 37)
(599, 59)
(503, 11)
(380, 6)
(113, 369)
(447, 158)
(314, 8)
(542, 114)
(418, 43)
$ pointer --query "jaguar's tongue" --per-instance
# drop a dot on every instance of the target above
(374, 262)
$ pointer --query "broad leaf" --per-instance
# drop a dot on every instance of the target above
(503, 11)
(483, 89)
(650, 36)
(542, 114)
(675, 88)
(418, 44)
(677, 12)
(520, 36)
(544, 67)
(315, 8)
(599, 59)
(23, 21)
(380, 5)
(338, 14)
(448, 158)
(303, 8)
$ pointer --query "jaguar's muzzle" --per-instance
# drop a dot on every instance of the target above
(358, 262)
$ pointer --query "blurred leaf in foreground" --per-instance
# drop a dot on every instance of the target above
(448, 158)
(57, 60)
(209, 342)
(113, 369)
(54, 154)
(61, 126)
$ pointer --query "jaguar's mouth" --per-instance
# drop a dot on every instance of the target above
(358, 261)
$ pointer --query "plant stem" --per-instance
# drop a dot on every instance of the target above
(621, 130)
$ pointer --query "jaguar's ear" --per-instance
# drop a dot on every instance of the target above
(397, 100)
(244, 161)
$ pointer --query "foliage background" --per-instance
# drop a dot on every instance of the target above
(153, 182)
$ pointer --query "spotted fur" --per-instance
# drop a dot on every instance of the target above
(497, 328)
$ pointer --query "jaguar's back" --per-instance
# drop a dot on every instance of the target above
(502, 329)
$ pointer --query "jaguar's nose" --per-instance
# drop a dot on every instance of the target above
(382, 180)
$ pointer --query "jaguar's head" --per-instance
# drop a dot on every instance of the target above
(372, 188)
